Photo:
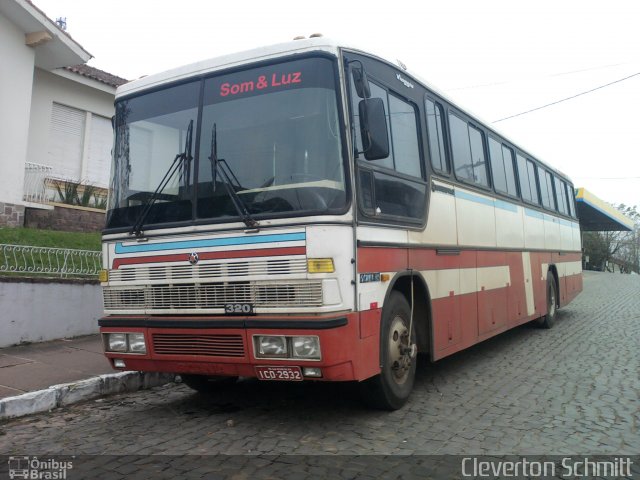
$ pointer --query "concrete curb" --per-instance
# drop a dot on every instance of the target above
(69, 393)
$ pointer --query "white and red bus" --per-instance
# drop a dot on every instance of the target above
(308, 211)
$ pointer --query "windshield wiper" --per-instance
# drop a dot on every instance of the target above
(220, 168)
(182, 160)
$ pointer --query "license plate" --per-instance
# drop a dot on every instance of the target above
(287, 374)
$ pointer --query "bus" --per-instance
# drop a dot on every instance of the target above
(311, 212)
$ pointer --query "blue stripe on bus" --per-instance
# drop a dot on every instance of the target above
(474, 198)
(534, 214)
(210, 242)
(487, 201)
(506, 206)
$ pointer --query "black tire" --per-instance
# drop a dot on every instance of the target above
(548, 320)
(206, 384)
(391, 388)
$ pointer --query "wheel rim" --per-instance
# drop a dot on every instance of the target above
(399, 350)
(552, 301)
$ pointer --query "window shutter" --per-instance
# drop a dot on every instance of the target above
(100, 143)
(65, 141)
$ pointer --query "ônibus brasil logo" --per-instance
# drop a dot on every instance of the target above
(36, 469)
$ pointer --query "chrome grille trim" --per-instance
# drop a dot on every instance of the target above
(221, 269)
(210, 345)
(214, 295)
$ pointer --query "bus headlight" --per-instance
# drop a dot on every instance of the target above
(305, 347)
(125, 342)
(137, 343)
(272, 346)
(117, 342)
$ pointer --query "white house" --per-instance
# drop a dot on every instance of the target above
(55, 112)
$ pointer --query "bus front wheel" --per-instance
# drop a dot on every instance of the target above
(391, 388)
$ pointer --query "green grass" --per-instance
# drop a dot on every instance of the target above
(50, 238)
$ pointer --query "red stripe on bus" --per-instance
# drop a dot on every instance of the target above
(385, 259)
(184, 257)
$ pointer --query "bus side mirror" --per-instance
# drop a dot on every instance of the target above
(360, 81)
(373, 129)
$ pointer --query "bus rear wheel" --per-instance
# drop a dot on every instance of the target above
(391, 388)
(548, 320)
(207, 384)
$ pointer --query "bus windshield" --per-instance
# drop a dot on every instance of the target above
(274, 130)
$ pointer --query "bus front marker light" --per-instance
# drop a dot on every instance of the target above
(136, 343)
(118, 363)
(311, 372)
(272, 346)
(305, 347)
(320, 265)
(103, 276)
(117, 342)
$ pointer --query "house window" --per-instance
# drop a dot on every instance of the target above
(79, 146)
(66, 141)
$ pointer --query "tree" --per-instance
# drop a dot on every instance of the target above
(605, 249)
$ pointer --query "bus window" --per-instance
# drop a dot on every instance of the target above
(507, 155)
(497, 165)
(571, 201)
(523, 176)
(502, 167)
(468, 151)
(546, 189)
(531, 169)
(478, 156)
(402, 128)
(404, 137)
(562, 196)
(550, 188)
(435, 133)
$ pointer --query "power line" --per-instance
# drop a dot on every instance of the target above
(568, 98)
(608, 178)
(528, 77)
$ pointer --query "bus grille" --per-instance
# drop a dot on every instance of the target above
(215, 345)
(224, 269)
(213, 295)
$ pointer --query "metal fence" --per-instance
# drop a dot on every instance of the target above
(35, 177)
(59, 262)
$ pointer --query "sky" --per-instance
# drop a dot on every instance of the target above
(495, 58)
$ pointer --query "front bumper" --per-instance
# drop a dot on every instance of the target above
(224, 346)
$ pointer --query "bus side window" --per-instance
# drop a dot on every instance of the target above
(497, 165)
(546, 189)
(469, 159)
(523, 176)
(507, 155)
(562, 196)
(533, 175)
(404, 137)
(435, 134)
(552, 200)
(571, 200)
(376, 92)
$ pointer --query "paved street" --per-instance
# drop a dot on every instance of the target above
(574, 389)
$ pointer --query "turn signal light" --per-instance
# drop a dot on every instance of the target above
(320, 265)
(103, 276)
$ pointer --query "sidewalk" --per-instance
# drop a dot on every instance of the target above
(37, 366)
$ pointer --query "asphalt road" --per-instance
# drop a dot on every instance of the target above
(571, 390)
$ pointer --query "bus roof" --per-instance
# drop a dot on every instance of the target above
(292, 47)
